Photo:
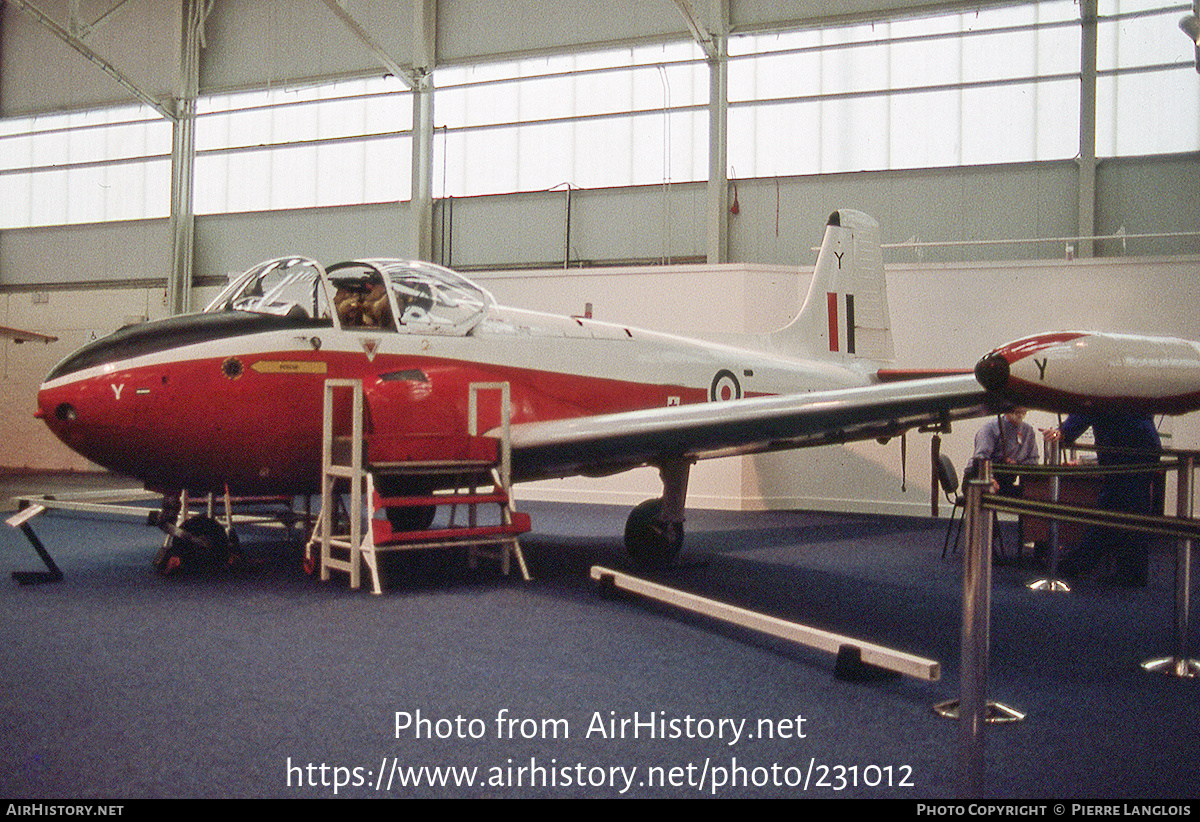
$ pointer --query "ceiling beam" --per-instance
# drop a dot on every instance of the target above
(94, 58)
(700, 34)
(80, 28)
(405, 73)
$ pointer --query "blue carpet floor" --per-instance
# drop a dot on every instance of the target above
(457, 683)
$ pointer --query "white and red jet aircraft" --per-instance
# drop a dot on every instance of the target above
(230, 398)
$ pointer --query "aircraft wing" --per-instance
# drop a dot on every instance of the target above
(610, 443)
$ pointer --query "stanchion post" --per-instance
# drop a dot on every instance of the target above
(1053, 583)
(976, 639)
(972, 709)
(1180, 665)
(1183, 579)
(1055, 491)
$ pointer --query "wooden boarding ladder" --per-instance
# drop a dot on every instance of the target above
(477, 478)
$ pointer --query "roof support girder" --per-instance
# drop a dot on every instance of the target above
(417, 77)
(718, 152)
(401, 71)
(183, 160)
(95, 59)
(1087, 126)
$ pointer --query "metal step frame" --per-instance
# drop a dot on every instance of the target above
(366, 536)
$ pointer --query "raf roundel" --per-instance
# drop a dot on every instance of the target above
(725, 386)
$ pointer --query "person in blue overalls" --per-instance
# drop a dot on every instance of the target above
(1121, 439)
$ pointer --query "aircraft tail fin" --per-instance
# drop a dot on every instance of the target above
(845, 317)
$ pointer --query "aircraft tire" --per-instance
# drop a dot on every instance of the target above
(181, 554)
(415, 518)
(407, 517)
(651, 542)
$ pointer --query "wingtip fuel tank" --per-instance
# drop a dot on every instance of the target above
(1079, 371)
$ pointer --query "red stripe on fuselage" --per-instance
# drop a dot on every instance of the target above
(1021, 349)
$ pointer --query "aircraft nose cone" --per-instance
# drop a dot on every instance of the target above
(992, 372)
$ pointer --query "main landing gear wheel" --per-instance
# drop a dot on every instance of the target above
(407, 517)
(651, 542)
(204, 545)
(415, 518)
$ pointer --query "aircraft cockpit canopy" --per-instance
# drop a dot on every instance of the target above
(384, 295)
(286, 287)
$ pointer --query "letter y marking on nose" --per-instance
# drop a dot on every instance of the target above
(1041, 367)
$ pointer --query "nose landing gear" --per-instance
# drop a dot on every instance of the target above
(194, 542)
(201, 543)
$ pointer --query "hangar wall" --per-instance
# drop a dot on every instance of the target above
(1145, 195)
(231, 243)
(275, 43)
(53, 256)
(778, 223)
